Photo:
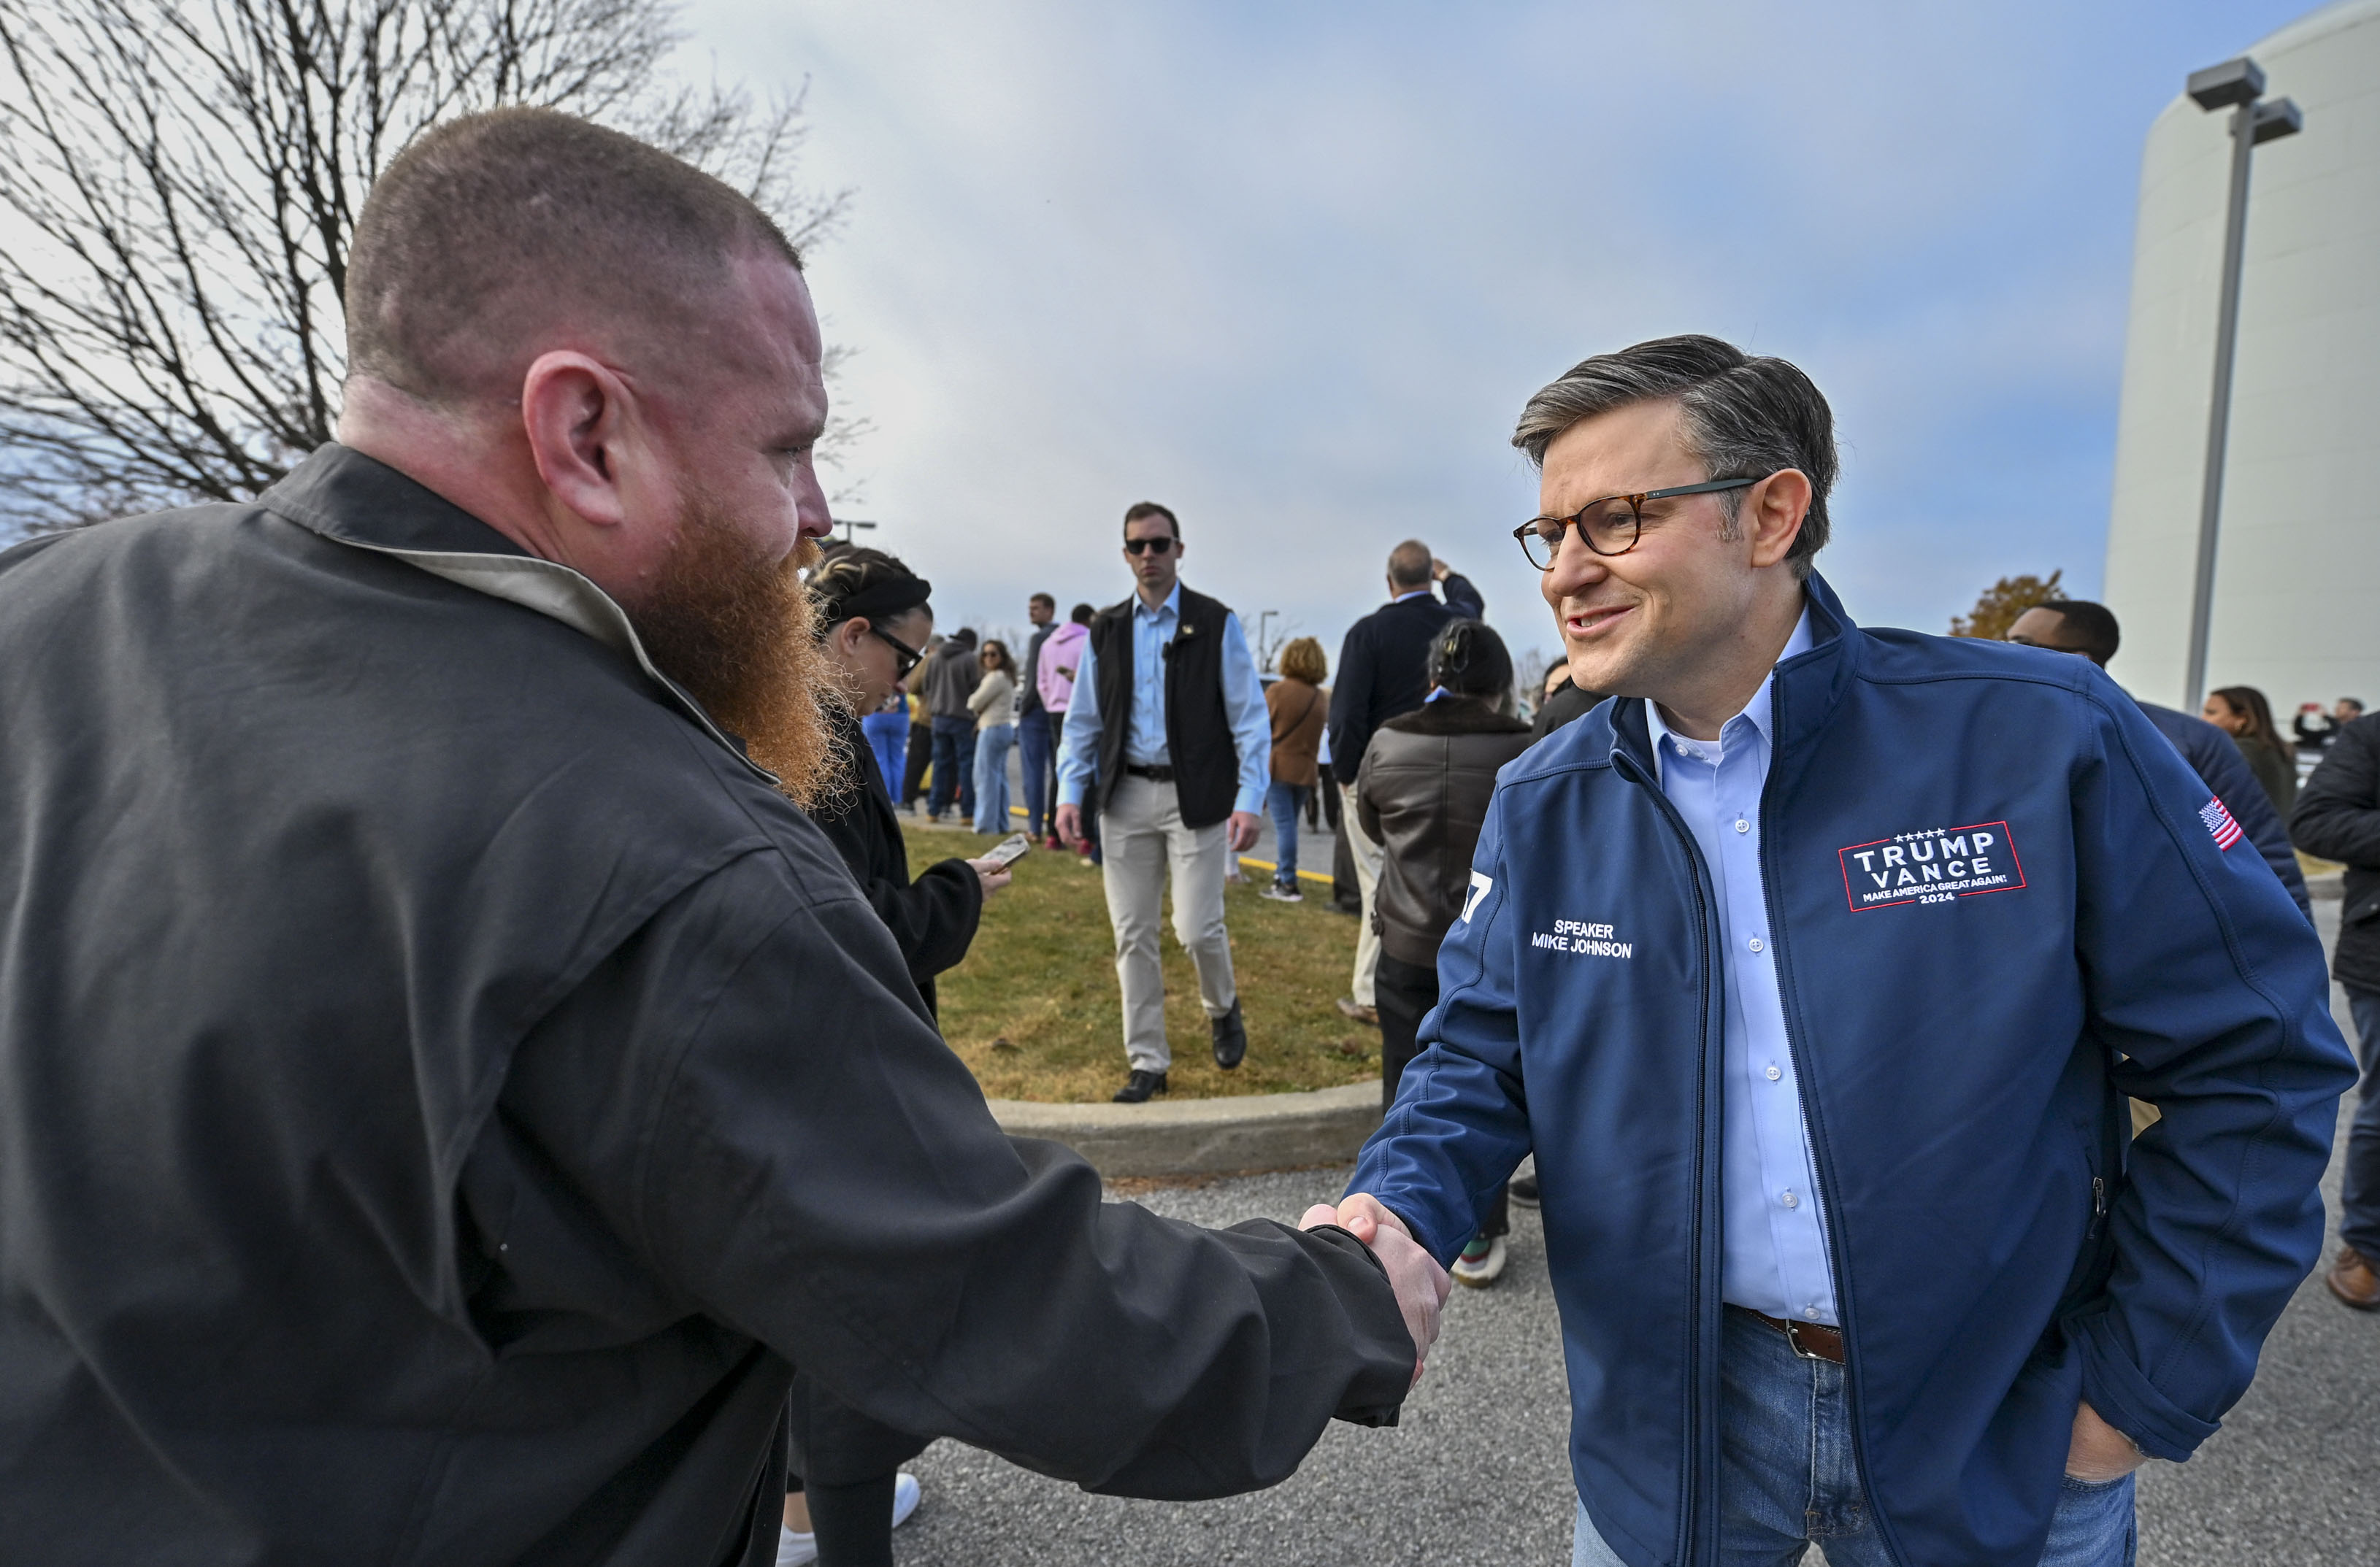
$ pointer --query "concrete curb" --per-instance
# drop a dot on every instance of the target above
(1206, 1137)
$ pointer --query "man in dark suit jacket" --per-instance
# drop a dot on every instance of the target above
(1381, 676)
(2079, 626)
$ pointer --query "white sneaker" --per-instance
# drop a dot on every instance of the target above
(1283, 892)
(906, 1491)
(796, 1550)
(1481, 1271)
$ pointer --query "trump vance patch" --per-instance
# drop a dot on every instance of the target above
(1931, 865)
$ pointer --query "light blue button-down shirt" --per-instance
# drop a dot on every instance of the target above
(1144, 735)
(1775, 1255)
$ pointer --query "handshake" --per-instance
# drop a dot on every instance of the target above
(1421, 1285)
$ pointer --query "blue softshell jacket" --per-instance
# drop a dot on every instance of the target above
(1998, 908)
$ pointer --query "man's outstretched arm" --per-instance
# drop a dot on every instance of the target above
(1459, 1126)
(811, 1165)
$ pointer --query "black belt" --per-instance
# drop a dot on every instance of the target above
(1154, 775)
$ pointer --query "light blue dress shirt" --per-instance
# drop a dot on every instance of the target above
(1774, 1252)
(1143, 736)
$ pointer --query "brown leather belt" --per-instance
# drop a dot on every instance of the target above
(1811, 1341)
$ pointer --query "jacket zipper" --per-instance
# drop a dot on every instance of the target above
(1695, 1422)
(2098, 1206)
(1821, 1163)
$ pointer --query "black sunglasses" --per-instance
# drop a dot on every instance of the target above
(907, 658)
(1610, 526)
(1134, 546)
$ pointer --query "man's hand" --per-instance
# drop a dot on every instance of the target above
(1243, 835)
(992, 873)
(2099, 1452)
(1070, 827)
(1420, 1283)
(1439, 568)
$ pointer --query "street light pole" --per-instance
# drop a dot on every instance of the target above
(2235, 85)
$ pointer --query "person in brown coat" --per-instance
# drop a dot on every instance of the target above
(1300, 709)
(1422, 793)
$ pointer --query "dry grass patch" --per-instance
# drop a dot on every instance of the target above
(1036, 1013)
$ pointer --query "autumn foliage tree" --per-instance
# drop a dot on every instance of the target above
(2002, 602)
(180, 180)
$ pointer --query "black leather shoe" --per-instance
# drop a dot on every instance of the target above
(1139, 1086)
(1523, 1190)
(1230, 1037)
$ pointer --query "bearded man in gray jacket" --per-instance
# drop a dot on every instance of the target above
(445, 1084)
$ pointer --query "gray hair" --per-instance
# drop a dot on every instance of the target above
(1746, 417)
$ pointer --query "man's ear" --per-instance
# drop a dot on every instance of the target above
(1772, 514)
(577, 415)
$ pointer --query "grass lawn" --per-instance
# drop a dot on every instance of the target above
(1035, 1011)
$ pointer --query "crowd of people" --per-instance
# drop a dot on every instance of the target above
(469, 1072)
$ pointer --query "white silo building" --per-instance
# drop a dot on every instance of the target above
(2297, 596)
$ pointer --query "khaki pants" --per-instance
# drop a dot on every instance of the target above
(1367, 855)
(1142, 837)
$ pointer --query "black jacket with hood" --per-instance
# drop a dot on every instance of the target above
(446, 1089)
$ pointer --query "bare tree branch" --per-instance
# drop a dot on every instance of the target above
(178, 188)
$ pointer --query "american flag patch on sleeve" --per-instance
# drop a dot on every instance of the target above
(2219, 822)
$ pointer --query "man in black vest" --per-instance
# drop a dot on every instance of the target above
(1380, 677)
(1167, 734)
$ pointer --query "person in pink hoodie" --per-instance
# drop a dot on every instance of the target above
(1053, 677)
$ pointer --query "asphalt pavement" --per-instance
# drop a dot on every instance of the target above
(1476, 1473)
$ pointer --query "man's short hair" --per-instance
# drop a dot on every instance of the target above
(1409, 564)
(491, 229)
(1080, 614)
(2350, 701)
(1746, 417)
(2091, 627)
(1140, 509)
(1044, 599)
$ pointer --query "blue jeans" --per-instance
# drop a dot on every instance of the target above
(953, 765)
(1035, 761)
(888, 737)
(2359, 1194)
(991, 747)
(1787, 1475)
(1285, 801)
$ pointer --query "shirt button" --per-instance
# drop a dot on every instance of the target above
(1774, 1074)
(1741, 825)
(1790, 1200)
(1754, 944)
(1810, 1312)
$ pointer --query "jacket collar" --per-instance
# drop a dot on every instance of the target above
(363, 503)
(1802, 690)
(1455, 716)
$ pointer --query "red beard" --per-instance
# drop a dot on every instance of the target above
(738, 631)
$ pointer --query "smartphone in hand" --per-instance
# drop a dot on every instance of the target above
(1011, 850)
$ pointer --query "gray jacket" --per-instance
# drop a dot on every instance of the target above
(444, 1089)
(952, 676)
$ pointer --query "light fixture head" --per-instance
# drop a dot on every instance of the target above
(2275, 120)
(2227, 85)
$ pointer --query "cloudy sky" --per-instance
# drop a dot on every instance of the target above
(1292, 268)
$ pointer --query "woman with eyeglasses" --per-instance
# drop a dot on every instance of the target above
(873, 618)
(847, 1493)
